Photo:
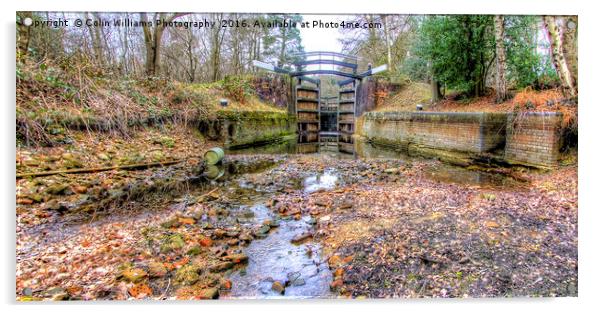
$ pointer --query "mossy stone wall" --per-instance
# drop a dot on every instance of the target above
(243, 129)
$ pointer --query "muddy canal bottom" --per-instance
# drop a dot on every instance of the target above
(286, 262)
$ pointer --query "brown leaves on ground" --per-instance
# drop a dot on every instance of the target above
(402, 233)
(447, 240)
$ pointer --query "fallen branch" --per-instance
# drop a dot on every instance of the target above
(99, 169)
(206, 194)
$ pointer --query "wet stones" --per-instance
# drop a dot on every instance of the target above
(271, 223)
(278, 287)
(171, 223)
(133, 275)
(302, 237)
(57, 189)
(205, 241)
(336, 284)
(226, 284)
(337, 264)
(171, 243)
(338, 273)
(156, 269)
(262, 231)
(220, 267)
(334, 261)
(187, 275)
(294, 279)
(237, 258)
(208, 294)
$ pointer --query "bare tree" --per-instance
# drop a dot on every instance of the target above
(152, 39)
(217, 38)
(23, 35)
(558, 56)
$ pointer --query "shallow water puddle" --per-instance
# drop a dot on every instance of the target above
(453, 174)
(322, 181)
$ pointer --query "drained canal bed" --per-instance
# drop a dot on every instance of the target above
(321, 225)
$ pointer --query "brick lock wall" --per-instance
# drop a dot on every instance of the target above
(464, 132)
(533, 139)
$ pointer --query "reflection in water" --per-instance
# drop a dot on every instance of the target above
(453, 174)
(324, 181)
(363, 149)
(214, 171)
(328, 143)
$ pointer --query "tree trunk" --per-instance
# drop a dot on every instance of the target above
(435, 90)
(500, 51)
(192, 61)
(96, 39)
(23, 36)
(215, 55)
(558, 58)
(125, 48)
(435, 85)
(569, 47)
(152, 40)
(387, 41)
(282, 57)
(148, 45)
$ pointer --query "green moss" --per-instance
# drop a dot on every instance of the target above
(194, 251)
(172, 242)
(187, 275)
(165, 141)
(254, 115)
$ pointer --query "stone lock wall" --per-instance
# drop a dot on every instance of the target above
(242, 129)
(533, 138)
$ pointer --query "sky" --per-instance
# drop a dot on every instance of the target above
(321, 39)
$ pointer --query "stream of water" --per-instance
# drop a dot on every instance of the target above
(299, 267)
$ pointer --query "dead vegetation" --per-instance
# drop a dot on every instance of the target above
(74, 94)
